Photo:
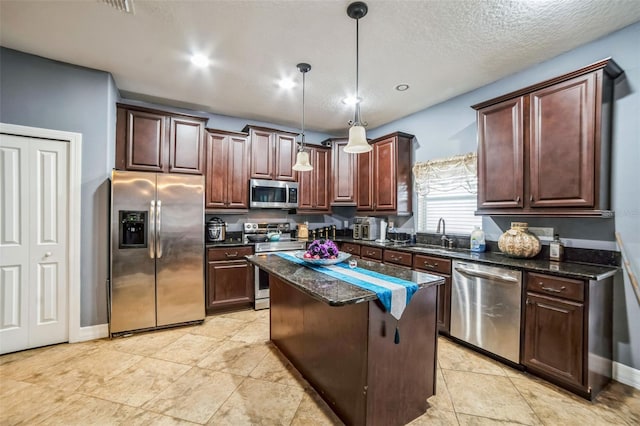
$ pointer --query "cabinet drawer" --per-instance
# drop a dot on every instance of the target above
(397, 257)
(351, 248)
(371, 253)
(228, 253)
(556, 286)
(430, 263)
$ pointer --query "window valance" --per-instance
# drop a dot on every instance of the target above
(447, 174)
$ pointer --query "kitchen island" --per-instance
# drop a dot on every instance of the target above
(341, 339)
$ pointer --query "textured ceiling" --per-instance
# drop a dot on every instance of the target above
(440, 48)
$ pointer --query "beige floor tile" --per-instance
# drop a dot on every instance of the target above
(622, 399)
(103, 362)
(455, 357)
(146, 344)
(259, 402)
(188, 349)
(436, 417)
(313, 411)
(554, 406)
(195, 396)
(248, 315)
(274, 367)
(254, 332)
(487, 395)
(442, 399)
(29, 404)
(235, 357)
(147, 418)
(21, 355)
(138, 384)
(219, 327)
(84, 410)
(468, 420)
(40, 360)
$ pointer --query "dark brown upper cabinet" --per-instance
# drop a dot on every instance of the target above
(314, 184)
(384, 176)
(344, 174)
(545, 149)
(273, 153)
(149, 140)
(227, 171)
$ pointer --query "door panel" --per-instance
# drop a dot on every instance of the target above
(33, 243)
(185, 146)
(385, 170)
(145, 141)
(180, 249)
(238, 173)
(217, 171)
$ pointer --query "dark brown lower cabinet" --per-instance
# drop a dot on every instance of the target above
(568, 332)
(441, 267)
(229, 279)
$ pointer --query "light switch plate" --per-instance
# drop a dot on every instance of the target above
(544, 234)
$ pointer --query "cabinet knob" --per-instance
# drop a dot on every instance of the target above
(430, 265)
(552, 290)
(531, 198)
(518, 199)
(48, 254)
(234, 254)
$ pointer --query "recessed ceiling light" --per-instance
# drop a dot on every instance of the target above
(351, 100)
(402, 87)
(200, 60)
(286, 83)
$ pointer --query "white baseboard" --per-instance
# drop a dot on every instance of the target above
(92, 332)
(627, 375)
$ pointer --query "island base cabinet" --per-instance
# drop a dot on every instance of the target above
(348, 353)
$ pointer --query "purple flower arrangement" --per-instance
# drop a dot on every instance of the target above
(322, 249)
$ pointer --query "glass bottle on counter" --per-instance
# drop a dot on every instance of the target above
(556, 249)
(477, 242)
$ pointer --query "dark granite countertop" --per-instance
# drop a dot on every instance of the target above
(584, 271)
(331, 290)
(577, 270)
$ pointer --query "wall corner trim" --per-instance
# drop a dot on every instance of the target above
(627, 375)
(93, 332)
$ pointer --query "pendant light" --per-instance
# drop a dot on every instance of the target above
(357, 137)
(302, 159)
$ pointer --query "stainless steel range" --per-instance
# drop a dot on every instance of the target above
(260, 231)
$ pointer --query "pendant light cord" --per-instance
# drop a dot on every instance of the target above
(303, 85)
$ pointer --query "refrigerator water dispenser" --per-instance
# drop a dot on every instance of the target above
(133, 229)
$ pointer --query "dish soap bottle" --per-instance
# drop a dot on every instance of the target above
(477, 240)
(556, 249)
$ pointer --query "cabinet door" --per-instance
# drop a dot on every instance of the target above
(443, 316)
(217, 165)
(562, 146)
(553, 338)
(238, 173)
(228, 285)
(365, 181)
(344, 175)
(261, 154)
(500, 155)
(384, 169)
(305, 187)
(186, 153)
(145, 141)
(285, 152)
(321, 181)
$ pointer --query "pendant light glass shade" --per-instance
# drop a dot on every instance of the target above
(357, 141)
(302, 162)
(302, 158)
(357, 136)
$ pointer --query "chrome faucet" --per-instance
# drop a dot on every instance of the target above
(446, 241)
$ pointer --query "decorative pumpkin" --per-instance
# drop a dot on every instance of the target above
(519, 242)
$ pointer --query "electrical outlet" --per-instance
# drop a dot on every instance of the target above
(345, 224)
(544, 234)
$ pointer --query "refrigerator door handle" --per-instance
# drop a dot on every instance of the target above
(152, 229)
(158, 229)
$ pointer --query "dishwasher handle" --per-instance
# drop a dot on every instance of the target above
(485, 274)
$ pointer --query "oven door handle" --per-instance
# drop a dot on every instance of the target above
(484, 274)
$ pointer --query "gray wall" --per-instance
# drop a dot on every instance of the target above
(450, 128)
(39, 92)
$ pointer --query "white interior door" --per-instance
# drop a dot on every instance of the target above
(33, 242)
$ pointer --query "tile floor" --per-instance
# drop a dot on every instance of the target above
(225, 372)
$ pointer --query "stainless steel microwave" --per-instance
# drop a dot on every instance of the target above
(273, 194)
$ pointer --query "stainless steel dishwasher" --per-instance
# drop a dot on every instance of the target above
(485, 308)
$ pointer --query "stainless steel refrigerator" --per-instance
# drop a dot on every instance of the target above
(157, 250)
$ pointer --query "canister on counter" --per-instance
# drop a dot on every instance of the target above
(556, 249)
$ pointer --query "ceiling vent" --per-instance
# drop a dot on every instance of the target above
(122, 5)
